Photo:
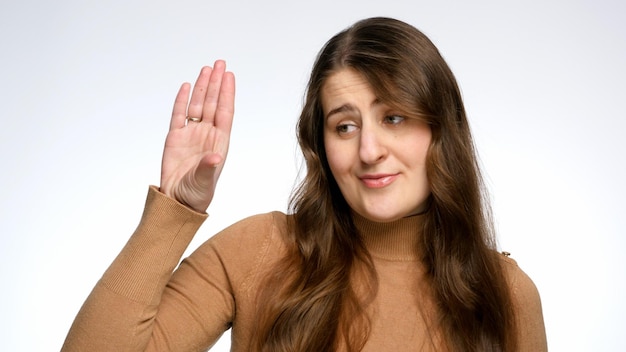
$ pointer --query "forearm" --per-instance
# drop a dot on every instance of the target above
(120, 311)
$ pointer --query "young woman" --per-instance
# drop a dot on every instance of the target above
(388, 245)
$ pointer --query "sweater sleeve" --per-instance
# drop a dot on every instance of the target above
(532, 333)
(120, 312)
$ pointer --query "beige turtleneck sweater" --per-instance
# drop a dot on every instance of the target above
(139, 305)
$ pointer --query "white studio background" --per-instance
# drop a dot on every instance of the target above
(86, 90)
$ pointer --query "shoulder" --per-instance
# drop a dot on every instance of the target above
(523, 289)
(254, 230)
(527, 304)
(517, 278)
(247, 247)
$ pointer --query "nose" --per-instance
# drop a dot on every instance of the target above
(372, 147)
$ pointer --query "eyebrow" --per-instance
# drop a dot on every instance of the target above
(342, 108)
(348, 107)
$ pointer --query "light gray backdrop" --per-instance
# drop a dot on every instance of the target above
(86, 90)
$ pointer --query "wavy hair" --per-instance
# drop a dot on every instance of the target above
(309, 303)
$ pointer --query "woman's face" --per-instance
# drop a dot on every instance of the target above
(376, 154)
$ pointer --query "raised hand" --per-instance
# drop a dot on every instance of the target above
(197, 142)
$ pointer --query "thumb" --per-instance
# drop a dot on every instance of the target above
(198, 188)
(207, 171)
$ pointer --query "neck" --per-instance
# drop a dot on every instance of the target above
(396, 240)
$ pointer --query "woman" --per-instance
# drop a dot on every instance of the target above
(388, 244)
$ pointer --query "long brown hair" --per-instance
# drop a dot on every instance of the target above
(309, 303)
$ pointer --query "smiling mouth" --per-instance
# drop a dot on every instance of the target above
(378, 181)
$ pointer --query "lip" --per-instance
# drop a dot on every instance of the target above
(378, 180)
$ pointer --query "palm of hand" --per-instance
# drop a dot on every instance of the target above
(195, 152)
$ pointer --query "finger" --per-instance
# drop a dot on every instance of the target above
(179, 113)
(226, 104)
(199, 93)
(213, 91)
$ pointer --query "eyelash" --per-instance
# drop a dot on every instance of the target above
(390, 119)
(341, 128)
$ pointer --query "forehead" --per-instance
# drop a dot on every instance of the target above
(346, 86)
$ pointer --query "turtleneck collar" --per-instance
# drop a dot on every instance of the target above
(396, 241)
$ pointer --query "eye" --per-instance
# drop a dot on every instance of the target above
(345, 128)
(393, 119)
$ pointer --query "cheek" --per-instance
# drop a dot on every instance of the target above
(416, 154)
(422, 145)
(331, 156)
(336, 158)
(423, 155)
